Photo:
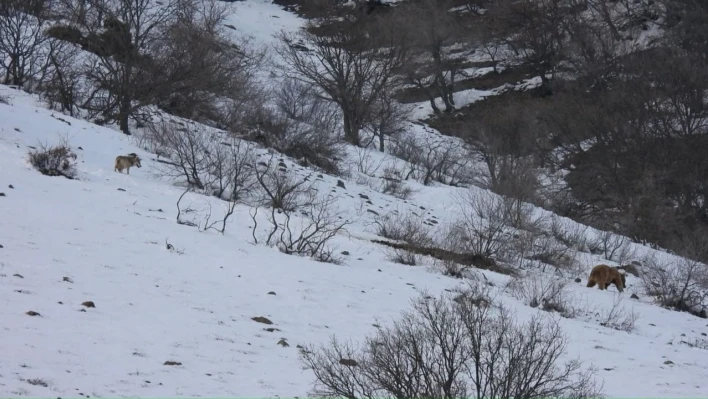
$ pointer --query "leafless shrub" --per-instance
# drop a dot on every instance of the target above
(365, 162)
(574, 237)
(388, 118)
(394, 186)
(682, 285)
(612, 246)
(186, 147)
(450, 268)
(305, 235)
(220, 223)
(59, 160)
(618, 318)
(303, 126)
(181, 212)
(281, 189)
(232, 164)
(406, 227)
(550, 251)
(542, 291)
(38, 381)
(700, 343)
(4, 100)
(483, 224)
(398, 255)
(459, 345)
(433, 158)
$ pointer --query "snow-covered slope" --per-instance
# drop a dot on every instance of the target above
(103, 238)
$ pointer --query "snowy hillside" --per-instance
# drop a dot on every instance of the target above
(172, 308)
(102, 238)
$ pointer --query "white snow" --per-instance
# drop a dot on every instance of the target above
(106, 234)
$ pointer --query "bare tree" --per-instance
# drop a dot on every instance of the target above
(483, 225)
(281, 189)
(680, 285)
(503, 140)
(347, 67)
(432, 28)
(303, 126)
(433, 158)
(545, 292)
(305, 231)
(388, 118)
(205, 72)
(187, 149)
(23, 55)
(537, 34)
(63, 87)
(461, 345)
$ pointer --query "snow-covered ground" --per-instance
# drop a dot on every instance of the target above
(103, 238)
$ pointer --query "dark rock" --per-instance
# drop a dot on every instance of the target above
(634, 296)
(88, 304)
(261, 319)
(172, 363)
(341, 184)
(578, 280)
(345, 253)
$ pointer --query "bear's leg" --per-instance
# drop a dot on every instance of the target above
(602, 285)
(619, 286)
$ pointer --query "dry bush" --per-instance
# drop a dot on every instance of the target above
(281, 189)
(612, 246)
(619, 318)
(406, 227)
(59, 160)
(304, 127)
(186, 148)
(542, 291)
(548, 250)
(232, 165)
(433, 158)
(306, 234)
(399, 255)
(574, 237)
(388, 119)
(682, 285)
(455, 346)
(366, 162)
(205, 159)
(394, 186)
(483, 224)
(451, 268)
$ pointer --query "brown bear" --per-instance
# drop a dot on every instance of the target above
(604, 275)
